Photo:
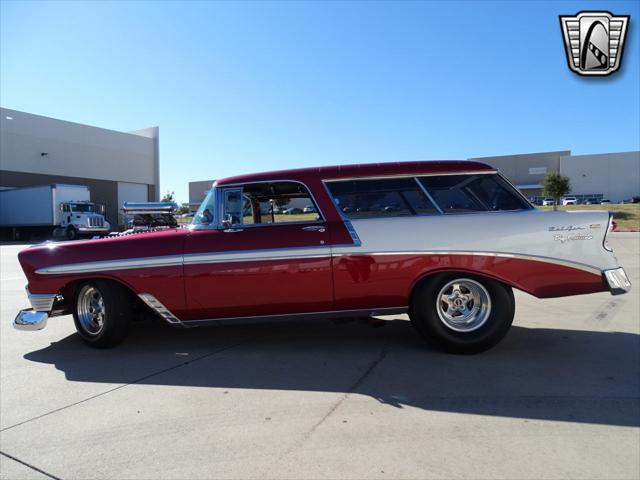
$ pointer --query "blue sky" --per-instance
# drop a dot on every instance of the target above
(243, 87)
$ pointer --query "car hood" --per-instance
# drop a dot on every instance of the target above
(137, 245)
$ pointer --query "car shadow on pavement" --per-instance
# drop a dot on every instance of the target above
(535, 373)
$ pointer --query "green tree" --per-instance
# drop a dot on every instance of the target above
(555, 186)
(182, 209)
(168, 197)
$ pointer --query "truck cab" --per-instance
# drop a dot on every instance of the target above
(80, 218)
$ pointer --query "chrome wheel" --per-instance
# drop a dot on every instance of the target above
(463, 305)
(90, 310)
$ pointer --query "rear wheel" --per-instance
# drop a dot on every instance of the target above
(102, 312)
(462, 313)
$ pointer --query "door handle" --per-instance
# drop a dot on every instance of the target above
(314, 228)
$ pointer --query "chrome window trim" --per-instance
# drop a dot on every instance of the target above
(475, 212)
(351, 250)
(426, 192)
(346, 219)
(516, 189)
(409, 175)
(219, 204)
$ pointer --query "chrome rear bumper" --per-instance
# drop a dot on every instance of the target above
(617, 280)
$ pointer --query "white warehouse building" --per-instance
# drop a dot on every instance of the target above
(615, 175)
(116, 166)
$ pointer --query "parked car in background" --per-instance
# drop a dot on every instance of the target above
(635, 199)
(548, 202)
(451, 253)
(605, 201)
(292, 211)
(592, 201)
(569, 201)
(309, 209)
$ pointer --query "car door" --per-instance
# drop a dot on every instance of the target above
(245, 268)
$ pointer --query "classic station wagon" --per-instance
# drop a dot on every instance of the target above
(445, 242)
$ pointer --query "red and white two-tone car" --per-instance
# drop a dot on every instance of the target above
(445, 242)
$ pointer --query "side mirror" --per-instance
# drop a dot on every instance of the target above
(226, 224)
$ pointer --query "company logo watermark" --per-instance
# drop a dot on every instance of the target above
(594, 41)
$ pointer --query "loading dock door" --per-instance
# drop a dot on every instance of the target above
(130, 192)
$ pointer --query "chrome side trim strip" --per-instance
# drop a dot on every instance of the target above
(282, 254)
(318, 251)
(159, 308)
(302, 316)
(535, 258)
(120, 264)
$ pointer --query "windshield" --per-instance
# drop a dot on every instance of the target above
(82, 207)
(205, 214)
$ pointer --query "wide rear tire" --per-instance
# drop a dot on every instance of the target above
(102, 312)
(462, 313)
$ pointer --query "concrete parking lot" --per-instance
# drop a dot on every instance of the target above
(558, 398)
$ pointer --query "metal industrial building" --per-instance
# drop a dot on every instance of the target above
(116, 166)
(615, 176)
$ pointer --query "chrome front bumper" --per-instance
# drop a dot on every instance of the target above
(617, 280)
(35, 318)
(93, 229)
(30, 320)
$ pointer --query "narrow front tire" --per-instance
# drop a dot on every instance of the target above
(102, 313)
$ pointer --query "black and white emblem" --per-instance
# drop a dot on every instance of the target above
(594, 41)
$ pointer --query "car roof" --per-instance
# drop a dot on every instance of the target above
(362, 170)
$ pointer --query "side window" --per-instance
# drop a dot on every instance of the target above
(233, 206)
(472, 193)
(496, 194)
(394, 197)
(451, 193)
(271, 203)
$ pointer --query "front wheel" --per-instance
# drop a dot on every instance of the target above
(72, 233)
(102, 312)
(462, 313)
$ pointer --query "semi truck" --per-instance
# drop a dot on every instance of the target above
(59, 210)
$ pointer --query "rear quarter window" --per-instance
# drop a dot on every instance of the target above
(473, 193)
(395, 197)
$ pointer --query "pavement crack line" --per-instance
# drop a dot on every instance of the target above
(29, 466)
(359, 381)
(141, 379)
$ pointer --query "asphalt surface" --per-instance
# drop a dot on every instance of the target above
(558, 398)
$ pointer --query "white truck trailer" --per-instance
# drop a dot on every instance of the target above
(61, 210)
